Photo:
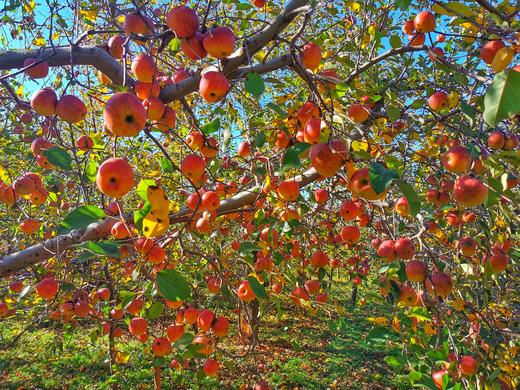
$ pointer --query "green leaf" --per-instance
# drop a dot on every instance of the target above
(257, 287)
(380, 177)
(468, 110)
(166, 165)
(292, 156)
(396, 362)
(174, 45)
(155, 310)
(142, 188)
(277, 109)
(378, 335)
(420, 313)
(91, 170)
(393, 113)
(211, 127)
(414, 202)
(140, 214)
(125, 297)
(173, 286)
(260, 139)
(395, 41)
(80, 218)
(502, 98)
(102, 248)
(247, 247)
(403, 4)
(254, 84)
(58, 157)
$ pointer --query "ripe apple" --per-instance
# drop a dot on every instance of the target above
(161, 346)
(328, 158)
(219, 42)
(245, 293)
(438, 100)
(457, 160)
(71, 109)
(311, 56)
(193, 48)
(38, 71)
(115, 46)
(408, 295)
(44, 102)
(289, 190)
(312, 130)
(47, 288)
(401, 207)
(138, 24)
(408, 27)
(468, 365)
(183, 21)
(469, 191)
(350, 234)
(84, 143)
(439, 284)
(221, 326)
(321, 195)
(467, 246)
(124, 115)
(319, 259)
(307, 111)
(416, 39)
(490, 49)
(361, 186)
(146, 90)
(205, 320)
(213, 86)
(154, 107)
(416, 271)
(143, 68)
(244, 149)
(193, 166)
(115, 177)
(404, 248)
(424, 22)
(210, 367)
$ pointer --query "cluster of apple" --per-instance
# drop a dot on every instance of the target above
(208, 326)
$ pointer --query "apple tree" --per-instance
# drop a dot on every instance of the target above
(171, 172)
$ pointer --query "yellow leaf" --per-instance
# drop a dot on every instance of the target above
(29, 7)
(40, 42)
(378, 321)
(502, 59)
(154, 224)
(453, 8)
(121, 357)
(354, 6)
(453, 99)
(19, 90)
(157, 198)
(357, 146)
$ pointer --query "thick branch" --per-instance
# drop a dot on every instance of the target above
(63, 56)
(241, 55)
(59, 245)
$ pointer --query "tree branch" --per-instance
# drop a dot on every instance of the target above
(62, 56)
(59, 245)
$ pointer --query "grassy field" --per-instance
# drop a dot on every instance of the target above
(326, 351)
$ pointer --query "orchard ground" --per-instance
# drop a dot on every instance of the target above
(297, 351)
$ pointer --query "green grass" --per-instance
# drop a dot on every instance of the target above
(317, 352)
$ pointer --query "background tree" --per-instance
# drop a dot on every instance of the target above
(172, 173)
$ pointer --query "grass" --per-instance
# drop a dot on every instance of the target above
(296, 352)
